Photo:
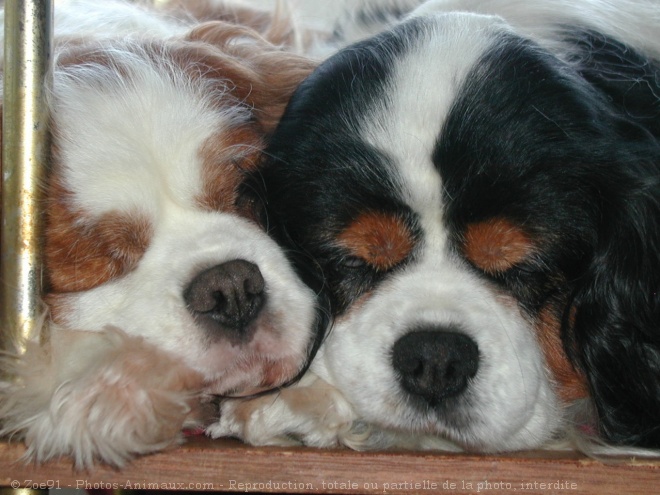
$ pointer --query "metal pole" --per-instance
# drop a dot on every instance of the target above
(25, 146)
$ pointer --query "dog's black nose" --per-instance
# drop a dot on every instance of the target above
(435, 364)
(226, 298)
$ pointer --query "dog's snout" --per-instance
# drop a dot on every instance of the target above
(227, 298)
(435, 364)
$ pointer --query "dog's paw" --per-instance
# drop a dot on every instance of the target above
(96, 396)
(312, 413)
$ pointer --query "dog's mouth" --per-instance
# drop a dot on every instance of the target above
(255, 375)
(260, 374)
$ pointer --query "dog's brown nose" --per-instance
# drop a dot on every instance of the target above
(226, 298)
(435, 364)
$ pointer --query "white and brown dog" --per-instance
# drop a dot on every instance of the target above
(161, 287)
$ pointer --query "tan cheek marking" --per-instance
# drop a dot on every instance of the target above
(83, 254)
(496, 245)
(226, 157)
(383, 240)
(571, 384)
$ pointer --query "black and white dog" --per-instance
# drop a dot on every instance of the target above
(476, 193)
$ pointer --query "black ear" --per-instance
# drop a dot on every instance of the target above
(616, 333)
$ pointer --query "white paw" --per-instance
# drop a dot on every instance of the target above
(311, 413)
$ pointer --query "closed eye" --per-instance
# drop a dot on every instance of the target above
(354, 263)
(250, 204)
(380, 240)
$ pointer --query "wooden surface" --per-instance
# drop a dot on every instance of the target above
(228, 465)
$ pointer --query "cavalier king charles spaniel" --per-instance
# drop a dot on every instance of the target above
(474, 194)
(161, 288)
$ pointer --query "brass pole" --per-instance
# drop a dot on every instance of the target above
(25, 145)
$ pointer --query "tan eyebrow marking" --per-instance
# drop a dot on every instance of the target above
(497, 244)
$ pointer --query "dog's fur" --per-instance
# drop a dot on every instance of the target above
(161, 288)
(481, 196)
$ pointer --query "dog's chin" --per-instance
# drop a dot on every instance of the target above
(255, 375)
(272, 357)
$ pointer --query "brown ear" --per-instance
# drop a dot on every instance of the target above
(275, 25)
(265, 75)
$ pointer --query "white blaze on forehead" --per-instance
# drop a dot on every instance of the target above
(130, 137)
(418, 96)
